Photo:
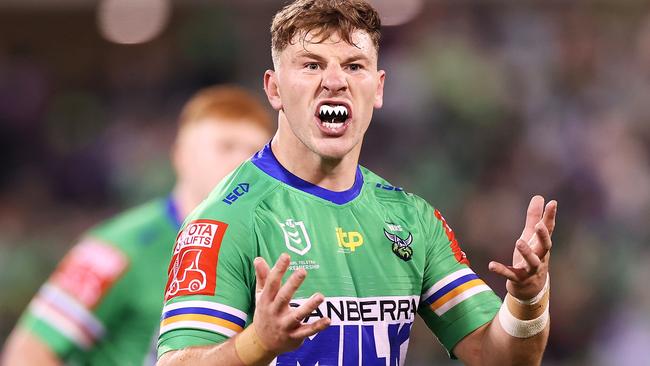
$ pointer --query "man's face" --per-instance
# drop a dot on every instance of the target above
(326, 93)
(209, 149)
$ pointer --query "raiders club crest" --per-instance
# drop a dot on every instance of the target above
(401, 247)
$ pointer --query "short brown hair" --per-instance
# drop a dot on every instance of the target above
(324, 17)
(227, 102)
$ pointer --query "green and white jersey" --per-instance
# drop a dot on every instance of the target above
(377, 254)
(102, 304)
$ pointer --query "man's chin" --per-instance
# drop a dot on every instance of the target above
(333, 149)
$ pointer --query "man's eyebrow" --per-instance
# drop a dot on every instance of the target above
(349, 59)
(307, 54)
(356, 57)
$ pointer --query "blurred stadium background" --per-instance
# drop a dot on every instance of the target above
(487, 103)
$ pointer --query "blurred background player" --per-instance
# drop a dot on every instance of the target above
(102, 304)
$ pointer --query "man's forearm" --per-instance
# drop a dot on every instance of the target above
(518, 333)
(500, 348)
(244, 349)
(24, 348)
(516, 336)
(214, 355)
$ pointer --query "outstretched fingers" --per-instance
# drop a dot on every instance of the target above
(533, 214)
(261, 273)
(277, 322)
(509, 272)
(550, 212)
(544, 237)
(531, 260)
(303, 311)
(308, 330)
(274, 279)
(306, 308)
(286, 292)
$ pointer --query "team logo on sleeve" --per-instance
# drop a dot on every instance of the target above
(401, 247)
(295, 236)
(192, 270)
(460, 256)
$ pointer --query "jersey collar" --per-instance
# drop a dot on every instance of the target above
(172, 212)
(269, 164)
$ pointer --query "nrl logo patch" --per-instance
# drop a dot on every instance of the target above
(401, 247)
(295, 236)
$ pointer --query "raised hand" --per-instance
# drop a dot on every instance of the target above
(279, 326)
(527, 274)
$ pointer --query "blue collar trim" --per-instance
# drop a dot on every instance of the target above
(269, 164)
(172, 212)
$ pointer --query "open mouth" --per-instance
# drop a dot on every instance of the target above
(333, 116)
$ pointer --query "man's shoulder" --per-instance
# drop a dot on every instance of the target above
(137, 224)
(395, 198)
(384, 190)
(132, 217)
(236, 196)
(106, 254)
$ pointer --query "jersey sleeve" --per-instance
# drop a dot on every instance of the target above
(210, 284)
(63, 314)
(454, 300)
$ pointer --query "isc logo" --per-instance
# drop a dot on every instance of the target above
(236, 193)
(389, 187)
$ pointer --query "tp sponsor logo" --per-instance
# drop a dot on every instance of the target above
(348, 241)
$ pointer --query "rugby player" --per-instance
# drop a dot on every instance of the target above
(356, 258)
(102, 304)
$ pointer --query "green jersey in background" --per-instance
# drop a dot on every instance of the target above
(102, 304)
(378, 255)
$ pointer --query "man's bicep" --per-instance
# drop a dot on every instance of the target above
(469, 348)
(455, 302)
(221, 354)
(62, 313)
(185, 339)
(209, 293)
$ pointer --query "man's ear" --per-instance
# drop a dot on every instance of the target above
(379, 95)
(176, 157)
(272, 89)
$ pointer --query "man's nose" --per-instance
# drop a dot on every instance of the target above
(334, 79)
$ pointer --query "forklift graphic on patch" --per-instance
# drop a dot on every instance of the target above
(193, 279)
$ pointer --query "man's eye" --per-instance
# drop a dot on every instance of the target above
(312, 66)
(354, 67)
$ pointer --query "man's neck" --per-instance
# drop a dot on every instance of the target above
(184, 200)
(333, 174)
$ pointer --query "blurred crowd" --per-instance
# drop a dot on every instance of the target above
(486, 104)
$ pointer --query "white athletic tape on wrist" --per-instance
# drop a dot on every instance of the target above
(521, 328)
(539, 296)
